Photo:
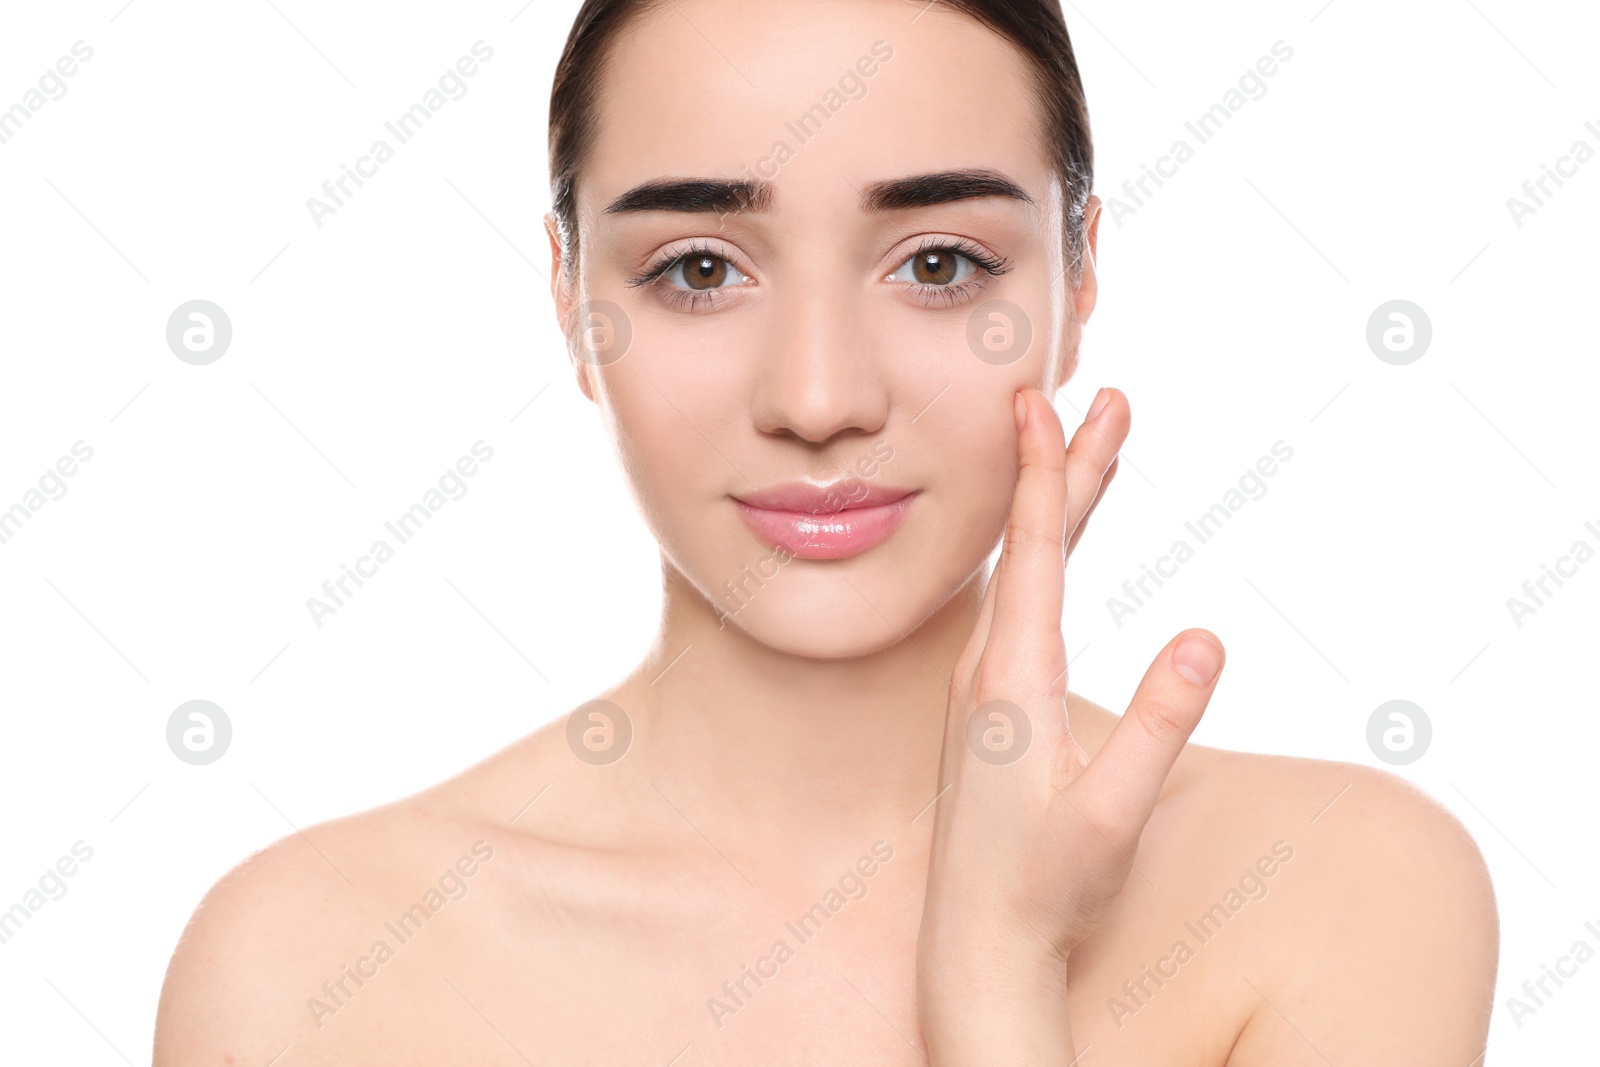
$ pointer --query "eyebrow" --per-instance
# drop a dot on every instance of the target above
(728, 197)
(695, 195)
(940, 187)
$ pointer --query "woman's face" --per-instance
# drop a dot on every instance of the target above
(830, 325)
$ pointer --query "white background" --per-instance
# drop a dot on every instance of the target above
(370, 353)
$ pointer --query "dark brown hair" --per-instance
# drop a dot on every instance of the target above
(1034, 26)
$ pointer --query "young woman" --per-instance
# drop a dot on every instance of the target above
(823, 264)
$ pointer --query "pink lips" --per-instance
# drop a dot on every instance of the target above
(833, 521)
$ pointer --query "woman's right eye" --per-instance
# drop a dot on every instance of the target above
(700, 272)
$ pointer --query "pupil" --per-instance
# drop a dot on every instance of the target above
(935, 269)
(706, 272)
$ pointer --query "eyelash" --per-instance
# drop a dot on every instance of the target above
(960, 292)
(952, 294)
(675, 296)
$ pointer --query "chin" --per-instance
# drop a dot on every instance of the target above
(829, 635)
(847, 609)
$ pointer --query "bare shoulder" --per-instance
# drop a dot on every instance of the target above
(1337, 805)
(1308, 893)
(1384, 911)
(314, 946)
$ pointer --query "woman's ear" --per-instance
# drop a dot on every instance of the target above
(1088, 288)
(1084, 292)
(562, 289)
(552, 230)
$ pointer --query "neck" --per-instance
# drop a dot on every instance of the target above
(818, 754)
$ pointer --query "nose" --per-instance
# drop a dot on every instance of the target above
(821, 374)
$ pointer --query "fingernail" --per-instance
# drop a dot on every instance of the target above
(1020, 406)
(1197, 658)
(1099, 404)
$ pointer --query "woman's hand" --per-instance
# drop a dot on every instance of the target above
(1032, 841)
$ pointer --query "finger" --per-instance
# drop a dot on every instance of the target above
(980, 632)
(1083, 523)
(1031, 572)
(1119, 788)
(1093, 448)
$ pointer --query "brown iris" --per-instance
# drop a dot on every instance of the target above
(934, 268)
(705, 272)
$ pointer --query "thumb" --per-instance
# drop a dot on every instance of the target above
(1120, 786)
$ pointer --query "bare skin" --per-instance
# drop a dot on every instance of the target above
(605, 922)
(792, 759)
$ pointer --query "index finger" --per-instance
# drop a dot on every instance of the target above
(1026, 626)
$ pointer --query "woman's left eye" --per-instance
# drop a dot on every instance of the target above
(702, 272)
(936, 267)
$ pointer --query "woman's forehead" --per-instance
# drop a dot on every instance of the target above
(815, 98)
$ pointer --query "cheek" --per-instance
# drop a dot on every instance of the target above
(667, 464)
(978, 473)
(668, 432)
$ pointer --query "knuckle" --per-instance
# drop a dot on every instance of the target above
(1018, 535)
(1163, 719)
(993, 681)
(1108, 814)
(1024, 541)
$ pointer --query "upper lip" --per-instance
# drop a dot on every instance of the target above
(824, 498)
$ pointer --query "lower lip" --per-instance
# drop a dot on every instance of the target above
(827, 535)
